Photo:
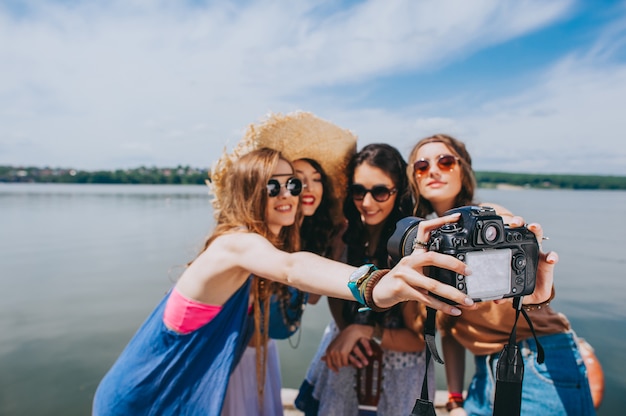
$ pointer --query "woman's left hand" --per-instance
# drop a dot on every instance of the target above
(545, 268)
(339, 350)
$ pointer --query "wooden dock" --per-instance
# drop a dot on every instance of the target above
(289, 396)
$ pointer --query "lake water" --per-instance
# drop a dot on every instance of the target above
(83, 265)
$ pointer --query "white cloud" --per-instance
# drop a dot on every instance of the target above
(119, 84)
(571, 120)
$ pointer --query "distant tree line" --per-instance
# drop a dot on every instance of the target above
(532, 180)
(185, 175)
(181, 175)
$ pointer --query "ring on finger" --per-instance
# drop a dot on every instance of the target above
(417, 243)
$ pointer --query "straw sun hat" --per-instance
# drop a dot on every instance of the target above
(296, 135)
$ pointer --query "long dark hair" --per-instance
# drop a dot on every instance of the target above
(388, 159)
(316, 231)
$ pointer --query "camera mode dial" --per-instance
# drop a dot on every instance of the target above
(449, 228)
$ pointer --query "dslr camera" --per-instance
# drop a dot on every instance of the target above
(503, 260)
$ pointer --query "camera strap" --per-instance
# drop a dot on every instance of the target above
(430, 328)
(423, 406)
(510, 369)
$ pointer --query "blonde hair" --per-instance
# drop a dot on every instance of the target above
(422, 206)
(242, 203)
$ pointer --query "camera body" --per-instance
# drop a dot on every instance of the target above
(503, 260)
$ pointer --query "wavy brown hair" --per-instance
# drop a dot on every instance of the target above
(243, 204)
(468, 180)
(317, 230)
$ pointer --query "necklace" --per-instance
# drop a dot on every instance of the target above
(291, 309)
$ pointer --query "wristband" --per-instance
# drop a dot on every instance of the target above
(455, 400)
(372, 280)
(537, 306)
(357, 281)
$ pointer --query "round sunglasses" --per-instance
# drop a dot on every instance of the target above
(380, 193)
(293, 185)
(445, 163)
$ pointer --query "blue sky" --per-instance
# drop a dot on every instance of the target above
(529, 85)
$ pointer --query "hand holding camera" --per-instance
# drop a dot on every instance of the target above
(503, 259)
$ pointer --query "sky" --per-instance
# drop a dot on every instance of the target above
(534, 86)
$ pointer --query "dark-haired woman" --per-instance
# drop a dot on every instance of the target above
(378, 197)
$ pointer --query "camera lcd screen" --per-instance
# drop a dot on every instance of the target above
(491, 273)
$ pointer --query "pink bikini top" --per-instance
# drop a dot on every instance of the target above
(185, 315)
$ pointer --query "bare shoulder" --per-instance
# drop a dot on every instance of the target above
(247, 250)
(239, 241)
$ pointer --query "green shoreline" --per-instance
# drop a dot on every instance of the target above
(185, 175)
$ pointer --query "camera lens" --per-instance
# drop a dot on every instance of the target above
(491, 234)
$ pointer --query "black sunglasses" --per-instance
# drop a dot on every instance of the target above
(380, 193)
(293, 185)
(445, 163)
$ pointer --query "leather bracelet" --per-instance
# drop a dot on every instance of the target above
(537, 306)
(369, 290)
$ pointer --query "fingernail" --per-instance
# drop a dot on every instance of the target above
(455, 311)
(469, 301)
(468, 271)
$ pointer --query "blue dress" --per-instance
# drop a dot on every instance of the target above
(161, 372)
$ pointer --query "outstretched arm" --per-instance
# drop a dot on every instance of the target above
(223, 267)
(406, 281)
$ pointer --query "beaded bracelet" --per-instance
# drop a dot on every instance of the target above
(537, 306)
(369, 290)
